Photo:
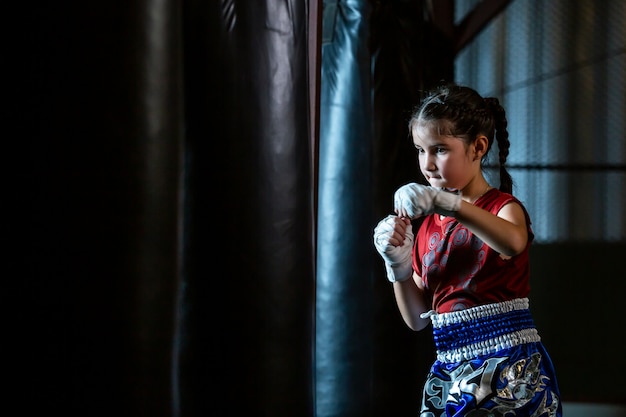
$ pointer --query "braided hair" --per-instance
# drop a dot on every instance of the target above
(461, 112)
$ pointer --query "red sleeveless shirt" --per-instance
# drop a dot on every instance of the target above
(459, 270)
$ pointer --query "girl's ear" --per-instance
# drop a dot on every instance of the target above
(481, 144)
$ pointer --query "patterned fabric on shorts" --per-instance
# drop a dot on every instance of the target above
(490, 362)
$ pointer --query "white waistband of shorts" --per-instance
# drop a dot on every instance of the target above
(473, 313)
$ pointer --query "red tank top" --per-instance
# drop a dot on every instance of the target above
(459, 270)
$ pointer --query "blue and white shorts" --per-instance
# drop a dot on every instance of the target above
(490, 362)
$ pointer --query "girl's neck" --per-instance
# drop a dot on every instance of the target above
(471, 196)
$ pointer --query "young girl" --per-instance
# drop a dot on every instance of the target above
(468, 270)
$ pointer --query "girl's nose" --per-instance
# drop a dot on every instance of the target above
(429, 164)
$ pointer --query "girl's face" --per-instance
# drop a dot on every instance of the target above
(445, 161)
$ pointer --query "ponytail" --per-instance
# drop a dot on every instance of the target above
(502, 137)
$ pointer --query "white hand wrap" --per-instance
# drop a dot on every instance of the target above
(398, 261)
(416, 200)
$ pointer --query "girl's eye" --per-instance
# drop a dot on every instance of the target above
(419, 150)
(441, 150)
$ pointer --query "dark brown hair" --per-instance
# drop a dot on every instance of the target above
(461, 112)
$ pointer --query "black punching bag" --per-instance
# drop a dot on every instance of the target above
(106, 164)
(344, 268)
(248, 299)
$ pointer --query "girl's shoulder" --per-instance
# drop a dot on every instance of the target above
(494, 200)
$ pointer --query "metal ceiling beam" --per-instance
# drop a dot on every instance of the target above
(475, 21)
(442, 15)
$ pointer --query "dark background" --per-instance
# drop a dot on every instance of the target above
(166, 253)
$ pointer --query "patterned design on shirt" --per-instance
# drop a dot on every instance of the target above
(460, 270)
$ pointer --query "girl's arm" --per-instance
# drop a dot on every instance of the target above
(507, 232)
(412, 302)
